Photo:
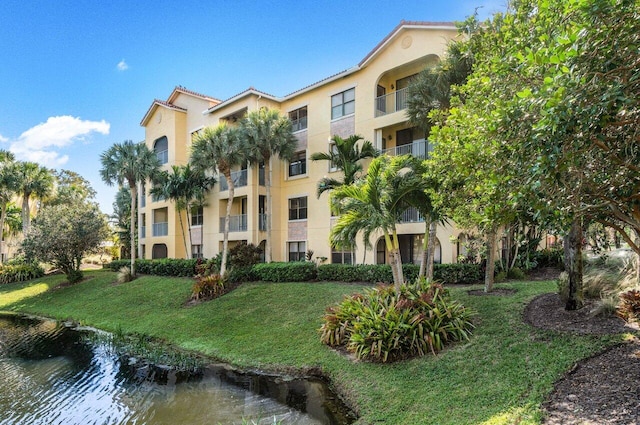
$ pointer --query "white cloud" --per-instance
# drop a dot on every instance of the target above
(3, 139)
(41, 142)
(122, 65)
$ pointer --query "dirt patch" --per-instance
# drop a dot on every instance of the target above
(604, 389)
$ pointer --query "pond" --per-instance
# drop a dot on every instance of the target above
(51, 373)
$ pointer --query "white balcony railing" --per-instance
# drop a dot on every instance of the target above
(237, 223)
(262, 222)
(419, 149)
(160, 229)
(299, 124)
(239, 179)
(411, 215)
(391, 102)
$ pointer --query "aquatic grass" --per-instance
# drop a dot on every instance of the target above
(500, 376)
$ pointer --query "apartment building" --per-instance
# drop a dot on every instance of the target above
(368, 99)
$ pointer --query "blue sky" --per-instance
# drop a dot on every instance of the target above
(78, 76)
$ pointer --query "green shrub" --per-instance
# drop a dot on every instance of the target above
(244, 255)
(381, 273)
(241, 274)
(297, 271)
(20, 272)
(457, 273)
(516, 273)
(162, 267)
(383, 325)
(549, 257)
(74, 276)
(124, 275)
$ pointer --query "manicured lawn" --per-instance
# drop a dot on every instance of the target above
(500, 376)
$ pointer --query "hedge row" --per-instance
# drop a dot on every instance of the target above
(308, 271)
(161, 267)
(445, 273)
(10, 273)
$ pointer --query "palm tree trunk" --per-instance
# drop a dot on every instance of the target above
(267, 209)
(392, 263)
(431, 248)
(134, 194)
(425, 245)
(227, 220)
(3, 218)
(491, 259)
(184, 236)
(26, 214)
(189, 206)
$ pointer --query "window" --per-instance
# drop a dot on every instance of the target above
(298, 164)
(161, 149)
(297, 251)
(159, 250)
(333, 150)
(299, 119)
(298, 208)
(143, 195)
(197, 216)
(196, 251)
(343, 103)
(341, 257)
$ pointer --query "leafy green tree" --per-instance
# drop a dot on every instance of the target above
(129, 163)
(62, 234)
(184, 186)
(70, 186)
(222, 148)
(33, 181)
(347, 157)
(8, 186)
(121, 219)
(267, 133)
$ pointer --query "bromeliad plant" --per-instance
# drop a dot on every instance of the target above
(385, 325)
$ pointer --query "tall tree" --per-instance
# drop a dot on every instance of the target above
(122, 219)
(347, 157)
(183, 185)
(8, 186)
(33, 181)
(63, 233)
(70, 186)
(129, 163)
(220, 148)
(376, 203)
(268, 134)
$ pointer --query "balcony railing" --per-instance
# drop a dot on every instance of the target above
(262, 222)
(419, 149)
(160, 229)
(143, 231)
(391, 102)
(411, 215)
(299, 124)
(239, 179)
(261, 177)
(237, 223)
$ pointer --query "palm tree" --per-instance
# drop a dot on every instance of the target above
(183, 185)
(129, 163)
(8, 186)
(267, 133)
(220, 147)
(122, 218)
(32, 180)
(376, 203)
(347, 156)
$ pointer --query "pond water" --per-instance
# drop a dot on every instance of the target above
(53, 374)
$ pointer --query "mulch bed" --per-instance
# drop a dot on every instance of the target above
(604, 389)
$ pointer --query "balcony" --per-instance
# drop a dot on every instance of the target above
(239, 179)
(299, 124)
(418, 148)
(262, 222)
(143, 231)
(160, 229)
(237, 223)
(411, 215)
(391, 102)
(261, 176)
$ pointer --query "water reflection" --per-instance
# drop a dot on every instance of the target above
(51, 374)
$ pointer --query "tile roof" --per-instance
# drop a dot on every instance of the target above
(158, 102)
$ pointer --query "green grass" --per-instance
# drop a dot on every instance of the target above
(501, 376)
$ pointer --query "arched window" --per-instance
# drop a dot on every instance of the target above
(161, 148)
(159, 251)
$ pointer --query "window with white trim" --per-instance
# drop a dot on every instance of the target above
(197, 216)
(341, 256)
(298, 208)
(297, 251)
(161, 149)
(298, 164)
(299, 119)
(343, 103)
